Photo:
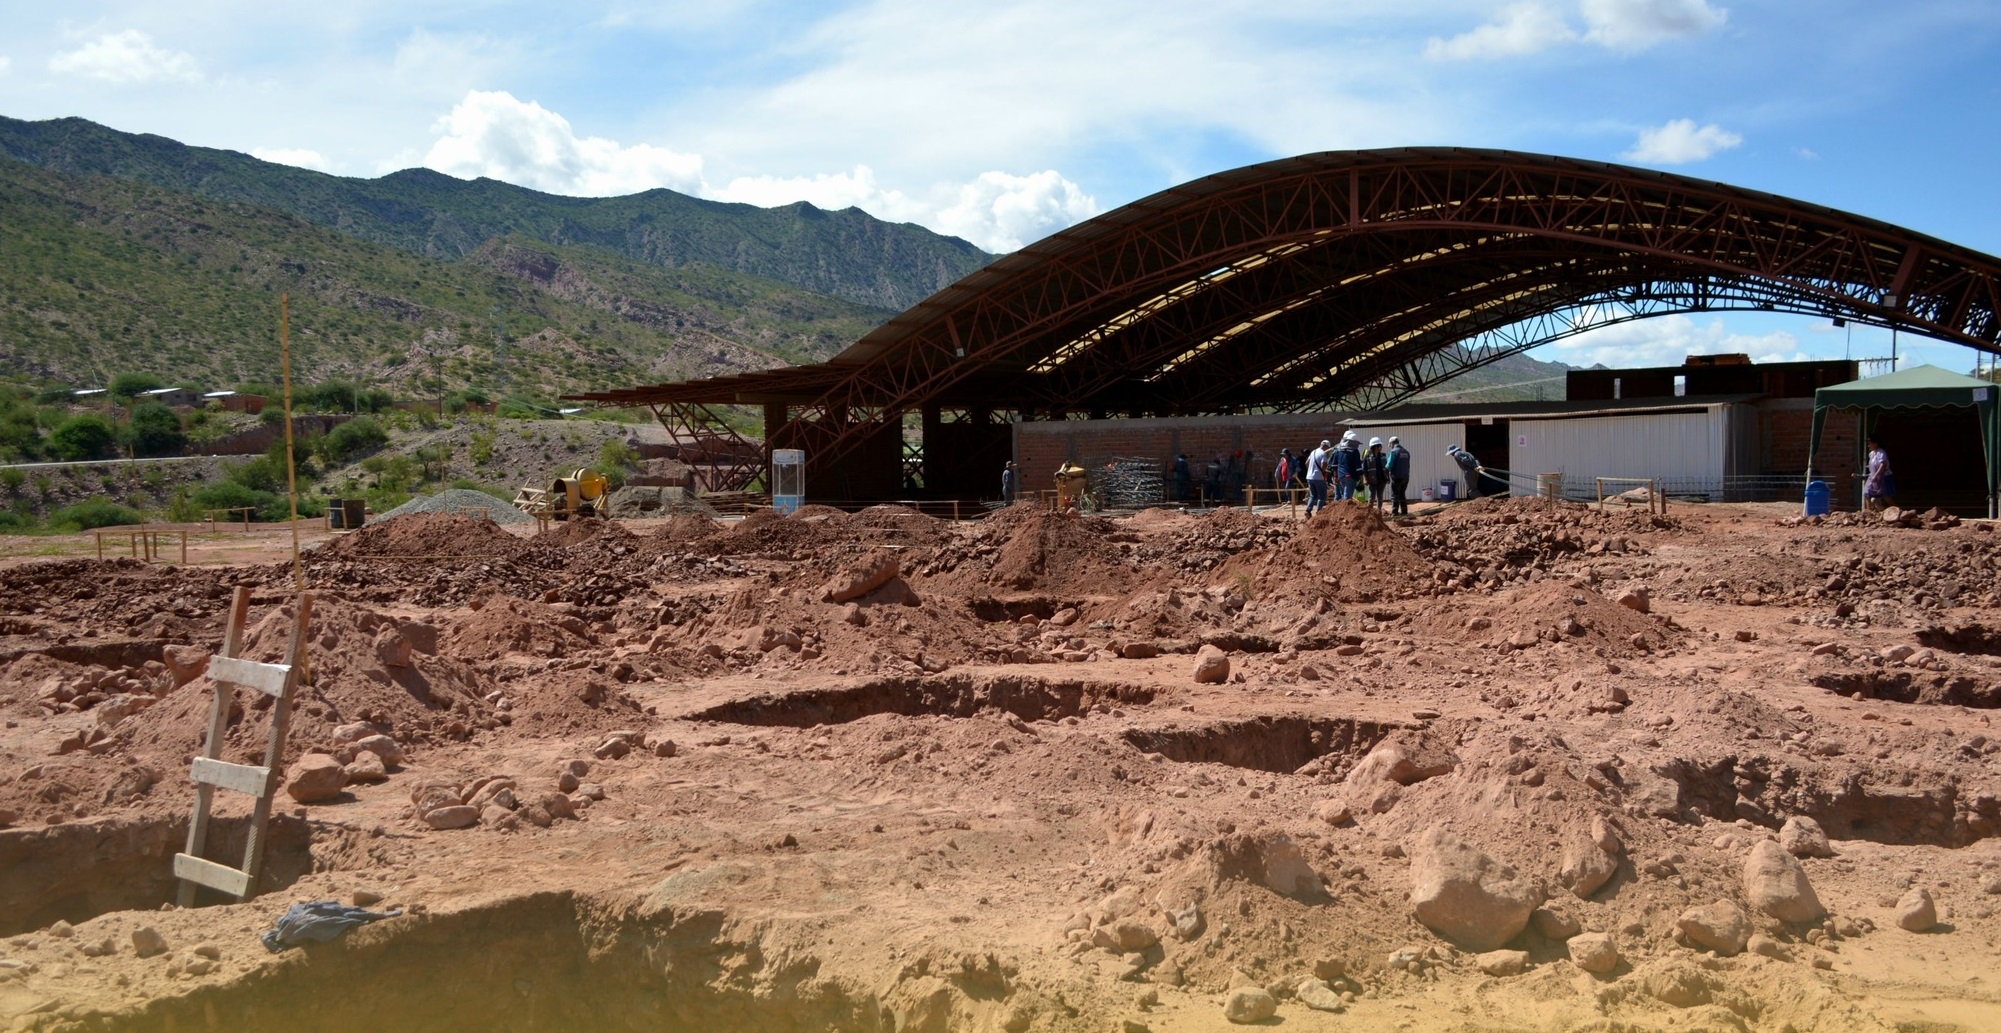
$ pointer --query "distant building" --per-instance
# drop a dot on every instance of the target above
(231, 401)
(172, 396)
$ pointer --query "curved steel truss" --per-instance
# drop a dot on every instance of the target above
(1356, 279)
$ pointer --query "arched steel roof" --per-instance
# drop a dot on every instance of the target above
(1361, 277)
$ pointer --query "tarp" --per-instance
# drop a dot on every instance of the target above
(1920, 387)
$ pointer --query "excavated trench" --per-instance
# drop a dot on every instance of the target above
(1915, 687)
(81, 869)
(948, 695)
(1281, 744)
(559, 961)
(1766, 791)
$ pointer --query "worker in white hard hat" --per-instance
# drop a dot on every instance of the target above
(1398, 461)
(1376, 471)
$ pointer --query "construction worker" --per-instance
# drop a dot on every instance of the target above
(1347, 463)
(1007, 484)
(1376, 472)
(1469, 466)
(1399, 470)
(1316, 477)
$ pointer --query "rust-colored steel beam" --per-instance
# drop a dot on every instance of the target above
(1361, 275)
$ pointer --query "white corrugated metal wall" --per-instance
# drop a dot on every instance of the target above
(1675, 447)
(1426, 441)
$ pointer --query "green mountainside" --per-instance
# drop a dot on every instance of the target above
(1516, 378)
(847, 254)
(100, 276)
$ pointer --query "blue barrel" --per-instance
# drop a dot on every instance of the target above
(1448, 489)
(1816, 498)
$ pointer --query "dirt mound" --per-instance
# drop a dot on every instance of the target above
(1549, 614)
(502, 625)
(425, 535)
(1346, 553)
(814, 511)
(680, 530)
(1040, 549)
(910, 526)
(577, 532)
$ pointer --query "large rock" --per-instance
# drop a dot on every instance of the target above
(1465, 896)
(389, 750)
(1318, 996)
(392, 647)
(1776, 885)
(1212, 666)
(1390, 762)
(1722, 927)
(1248, 1004)
(457, 817)
(1915, 910)
(1803, 837)
(315, 778)
(873, 571)
(1502, 962)
(1587, 866)
(1594, 952)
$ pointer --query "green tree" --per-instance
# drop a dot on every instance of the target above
(127, 386)
(88, 436)
(355, 437)
(97, 512)
(156, 430)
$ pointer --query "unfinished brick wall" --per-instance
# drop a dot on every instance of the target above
(1039, 448)
(1786, 430)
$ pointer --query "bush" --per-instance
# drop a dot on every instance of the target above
(355, 437)
(91, 513)
(127, 386)
(156, 431)
(615, 460)
(88, 436)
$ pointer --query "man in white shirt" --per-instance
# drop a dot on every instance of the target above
(1316, 477)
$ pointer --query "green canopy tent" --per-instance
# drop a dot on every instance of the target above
(1920, 387)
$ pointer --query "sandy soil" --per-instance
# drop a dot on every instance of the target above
(880, 772)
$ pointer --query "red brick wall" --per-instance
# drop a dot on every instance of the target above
(1039, 448)
(1786, 432)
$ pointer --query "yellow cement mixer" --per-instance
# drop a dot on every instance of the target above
(581, 494)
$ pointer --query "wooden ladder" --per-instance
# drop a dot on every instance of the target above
(230, 672)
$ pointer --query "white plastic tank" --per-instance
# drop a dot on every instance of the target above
(788, 479)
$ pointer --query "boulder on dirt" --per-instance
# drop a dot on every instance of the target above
(1391, 762)
(426, 797)
(1638, 599)
(1212, 666)
(458, 816)
(1465, 896)
(1776, 885)
(147, 941)
(315, 778)
(1554, 923)
(1318, 996)
(1722, 927)
(1803, 837)
(1286, 870)
(1248, 1004)
(366, 768)
(1593, 952)
(1915, 910)
(1589, 862)
(1134, 936)
(1502, 962)
(392, 647)
(185, 663)
(382, 746)
(871, 572)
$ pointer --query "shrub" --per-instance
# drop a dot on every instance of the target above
(90, 513)
(126, 386)
(156, 431)
(350, 439)
(88, 436)
(13, 479)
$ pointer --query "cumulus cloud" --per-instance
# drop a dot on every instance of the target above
(1680, 142)
(1639, 24)
(1625, 25)
(298, 156)
(127, 57)
(495, 135)
(1521, 29)
(499, 136)
(1667, 340)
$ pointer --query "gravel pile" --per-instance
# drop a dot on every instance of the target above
(454, 500)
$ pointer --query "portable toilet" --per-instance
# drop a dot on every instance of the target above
(788, 479)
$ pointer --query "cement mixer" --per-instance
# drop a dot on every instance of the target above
(581, 494)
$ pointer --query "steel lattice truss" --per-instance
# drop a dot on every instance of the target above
(1357, 279)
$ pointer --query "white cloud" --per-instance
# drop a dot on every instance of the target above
(1521, 29)
(1626, 25)
(127, 57)
(298, 156)
(1680, 142)
(1667, 340)
(5, 62)
(495, 135)
(1639, 24)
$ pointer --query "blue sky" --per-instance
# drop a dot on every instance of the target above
(1003, 121)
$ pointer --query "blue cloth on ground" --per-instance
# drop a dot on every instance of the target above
(318, 921)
